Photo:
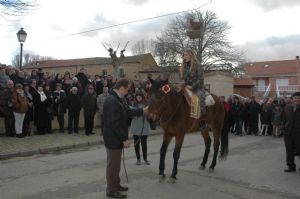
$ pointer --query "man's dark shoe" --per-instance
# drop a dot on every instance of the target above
(290, 170)
(116, 195)
(121, 188)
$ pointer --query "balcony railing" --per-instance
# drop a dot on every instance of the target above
(261, 88)
(289, 89)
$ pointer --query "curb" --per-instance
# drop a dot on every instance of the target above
(52, 149)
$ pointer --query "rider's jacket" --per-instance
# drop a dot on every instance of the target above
(192, 78)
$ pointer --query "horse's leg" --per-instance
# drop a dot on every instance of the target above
(176, 155)
(207, 141)
(163, 150)
(216, 134)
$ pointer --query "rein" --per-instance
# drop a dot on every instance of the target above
(175, 111)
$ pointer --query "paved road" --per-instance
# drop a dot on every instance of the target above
(253, 170)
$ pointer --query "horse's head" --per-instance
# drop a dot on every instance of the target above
(158, 91)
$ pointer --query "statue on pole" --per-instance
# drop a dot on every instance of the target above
(195, 31)
(115, 60)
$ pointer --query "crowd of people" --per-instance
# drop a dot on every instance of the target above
(35, 99)
(248, 116)
(39, 97)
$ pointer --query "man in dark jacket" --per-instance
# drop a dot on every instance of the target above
(73, 103)
(89, 105)
(115, 134)
(82, 78)
(253, 110)
(292, 132)
(237, 109)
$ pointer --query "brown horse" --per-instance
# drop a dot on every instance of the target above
(173, 112)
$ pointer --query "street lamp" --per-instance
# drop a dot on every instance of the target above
(21, 37)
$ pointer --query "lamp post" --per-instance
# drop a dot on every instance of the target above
(21, 34)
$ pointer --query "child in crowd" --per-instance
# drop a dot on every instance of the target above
(140, 128)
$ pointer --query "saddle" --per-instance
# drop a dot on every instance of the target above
(194, 101)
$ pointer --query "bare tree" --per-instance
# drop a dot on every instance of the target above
(213, 48)
(28, 58)
(115, 60)
(15, 61)
(15, 8)
(143, 46)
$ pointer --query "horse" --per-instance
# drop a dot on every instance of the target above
(172, 110)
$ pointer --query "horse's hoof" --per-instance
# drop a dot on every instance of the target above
(171, 180)
(202, 167)
(211, 170)
(162, 177)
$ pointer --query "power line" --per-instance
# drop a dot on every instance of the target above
(120, 24)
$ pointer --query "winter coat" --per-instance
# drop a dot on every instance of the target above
(59, 98)
(6, 105)
(89, 104)
(266, 115)
(237, 110)
(277, 117)
(291, 120)
(20, 102)
(73, 103)
(115, 121)
(100, 101)
(139, 124)
(83, 80)
(291, 127)
(253, 110)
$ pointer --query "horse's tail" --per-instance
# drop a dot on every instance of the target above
(224, 138)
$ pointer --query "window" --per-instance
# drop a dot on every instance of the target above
(104, 72)
(121, 72)
(261, 86)
(282, 82)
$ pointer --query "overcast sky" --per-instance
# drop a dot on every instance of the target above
(263, 29)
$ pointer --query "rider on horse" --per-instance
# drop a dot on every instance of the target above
(189, 72)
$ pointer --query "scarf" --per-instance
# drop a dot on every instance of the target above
(42, 96)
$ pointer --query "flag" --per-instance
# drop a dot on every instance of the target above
(267, 91)
(277, 91)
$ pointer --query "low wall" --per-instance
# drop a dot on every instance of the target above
(55, 126)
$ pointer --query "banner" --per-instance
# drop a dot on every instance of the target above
(267, 91)
(277, 91)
